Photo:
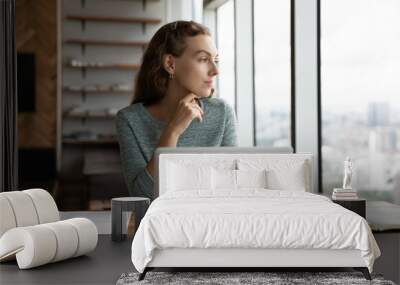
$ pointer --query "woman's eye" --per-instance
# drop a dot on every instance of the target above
(204, 59)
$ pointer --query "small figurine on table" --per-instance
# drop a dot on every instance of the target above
(348, 173)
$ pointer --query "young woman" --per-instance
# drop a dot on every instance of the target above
(172, 104)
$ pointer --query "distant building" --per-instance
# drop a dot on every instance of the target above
(378, 114)
(382, 140)
(378, 172)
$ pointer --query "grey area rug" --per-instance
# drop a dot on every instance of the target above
(226, 278)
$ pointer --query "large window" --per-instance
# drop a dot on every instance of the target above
(360, 95)
(272, 72)
(226, 51)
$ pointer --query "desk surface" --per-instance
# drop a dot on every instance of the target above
(102, 266)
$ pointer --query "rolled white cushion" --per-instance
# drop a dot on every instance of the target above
(66, 238)
(33, 246)
(7, 218)
(45, 205)
(87, 235)
(23, 208)
(41, 244)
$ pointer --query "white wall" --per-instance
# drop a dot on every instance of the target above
(244, 72)
(184, 10)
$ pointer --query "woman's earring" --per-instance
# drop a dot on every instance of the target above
(171, 76)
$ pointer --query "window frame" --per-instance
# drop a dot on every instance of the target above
(234, 52)
(319, 94)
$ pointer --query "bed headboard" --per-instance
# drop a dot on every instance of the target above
(226, 157)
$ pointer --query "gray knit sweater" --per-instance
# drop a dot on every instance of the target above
(138, 133)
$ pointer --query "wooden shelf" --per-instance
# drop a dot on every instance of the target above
(113, 19)
(107, 43)
(90, 142)
(88, 116)
(92, 92)
(107, 66)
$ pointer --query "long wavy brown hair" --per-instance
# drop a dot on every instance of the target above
(152, 79)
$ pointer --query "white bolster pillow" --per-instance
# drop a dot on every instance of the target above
(87, 235)
(24, 211)
(41, 244)
(7, 219)
(33, 246)
(66, 238)
(45, 205)
(26, 208)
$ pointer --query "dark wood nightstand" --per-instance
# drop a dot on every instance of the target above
(357, 206)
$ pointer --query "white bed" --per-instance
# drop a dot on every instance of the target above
(211, 224)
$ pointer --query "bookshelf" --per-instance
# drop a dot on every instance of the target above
(94, 142)
(111, 19)
(106, 66)
(100, 46)
(94, 92)
(110, 43)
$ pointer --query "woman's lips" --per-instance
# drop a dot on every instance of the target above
(209, 83)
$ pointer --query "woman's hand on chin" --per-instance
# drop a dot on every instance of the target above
(187, 110)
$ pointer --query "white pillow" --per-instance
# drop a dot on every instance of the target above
(229, 179)
(287, 178)
(251, 178)
(224, 179)
(282, 174)
(188, 177)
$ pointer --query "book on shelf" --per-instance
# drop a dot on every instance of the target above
(345, 198)
(344, 194)
(97, 112)
(77, 111)
(341, 190)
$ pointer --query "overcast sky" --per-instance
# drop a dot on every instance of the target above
(360, 52)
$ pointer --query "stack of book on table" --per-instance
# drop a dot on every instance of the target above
(344, 194)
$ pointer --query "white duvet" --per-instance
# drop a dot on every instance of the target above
(251, 218)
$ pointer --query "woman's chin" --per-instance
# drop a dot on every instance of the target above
(205, 93)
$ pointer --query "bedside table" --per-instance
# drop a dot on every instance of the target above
(121, 204)
(357, 205)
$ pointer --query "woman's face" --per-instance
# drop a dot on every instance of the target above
(196, 68)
